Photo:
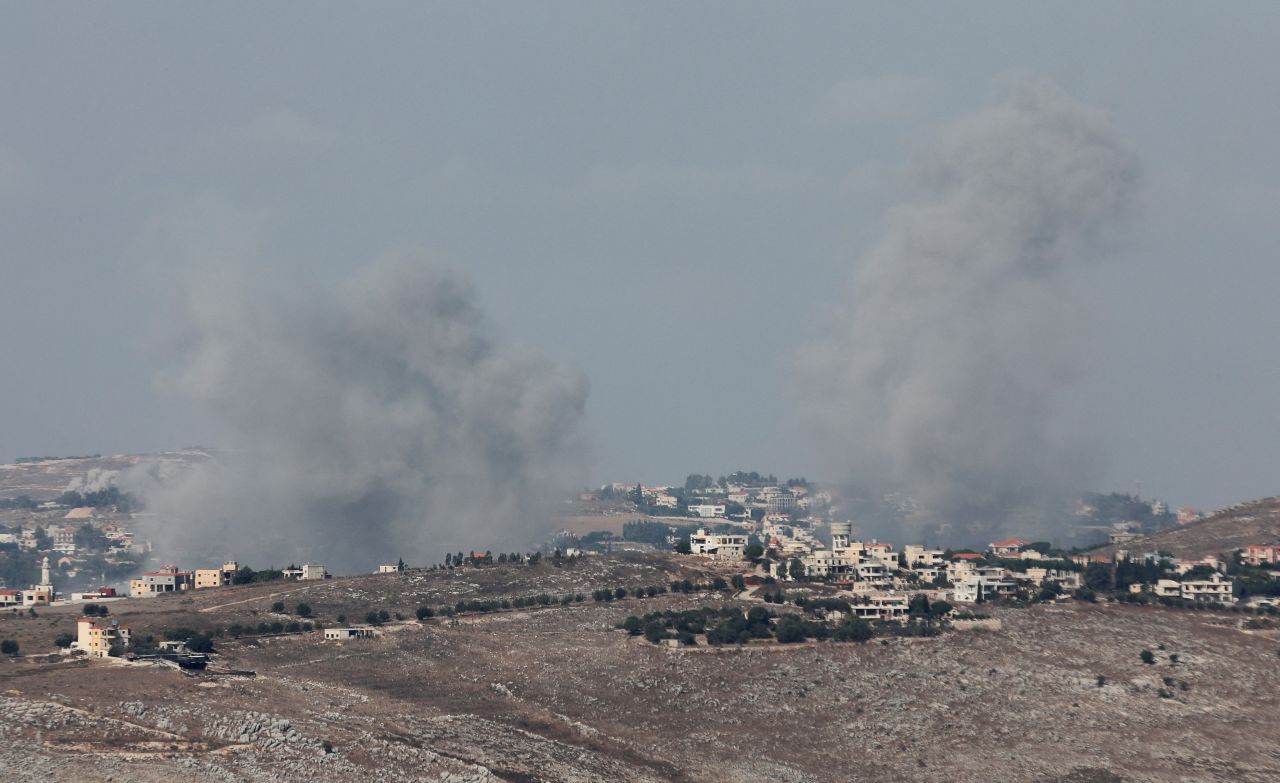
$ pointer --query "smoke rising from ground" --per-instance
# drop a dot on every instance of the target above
(940, 379)
(376, 421)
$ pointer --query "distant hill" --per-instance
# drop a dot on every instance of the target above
(1252, 522)
(46, 478)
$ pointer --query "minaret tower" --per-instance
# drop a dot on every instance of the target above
(44, 573)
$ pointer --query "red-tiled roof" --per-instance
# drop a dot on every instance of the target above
(1011, 542)
(966, 556)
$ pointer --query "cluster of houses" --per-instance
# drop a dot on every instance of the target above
(171, 579)
(729, 500)
(72, 551)
(881, 578)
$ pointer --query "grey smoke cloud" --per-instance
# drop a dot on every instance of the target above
(381, 419)
(964, 323)
(95, 480)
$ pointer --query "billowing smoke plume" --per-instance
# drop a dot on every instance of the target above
(939, 380)
(95, 480)
(377, 421)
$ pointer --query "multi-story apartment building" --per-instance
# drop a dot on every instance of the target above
(97, 636)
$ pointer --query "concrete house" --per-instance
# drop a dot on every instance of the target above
(166, 580)
(342, 634)
(216, 577)
(97, 637)
(1009, 547)
(731, 546)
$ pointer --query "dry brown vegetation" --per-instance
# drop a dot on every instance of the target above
(1255, 522)
(557, 693)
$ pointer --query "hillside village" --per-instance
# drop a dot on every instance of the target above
(768, 592)
(767, 538)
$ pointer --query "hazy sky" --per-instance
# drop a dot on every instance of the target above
(667, 197)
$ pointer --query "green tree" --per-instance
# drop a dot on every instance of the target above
(790, 629)
(278, 606)
(854, 629)
(302, 610)
(200, 643)
(64, 640)
(9, 647)
(1147, 657)
(633, 625)
(424, 612)
(754, 551)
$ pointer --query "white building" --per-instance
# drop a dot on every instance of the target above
(914, 555)
(313, 571)
(1067, 580)
(342, 634)
(388, 568)
(1215, 588)
(729, 546)
(980, 587)
(707, 510)
(883, 606)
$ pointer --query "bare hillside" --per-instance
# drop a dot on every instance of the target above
(1254, 522)
(1057, 693)
(47, 478)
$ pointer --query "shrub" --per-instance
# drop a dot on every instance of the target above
(277, 627)
(9, 647)
(1101, 681)
(372, 618)
(1147, 657)
(655, 631)
(302, 610)
(278, 606)
(633, 625)
(425, 612)
(855, 629)
(64, 640)
(200, 643)
(790, 629)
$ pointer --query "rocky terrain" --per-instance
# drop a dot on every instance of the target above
(1053, 693)
(1232, 528)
